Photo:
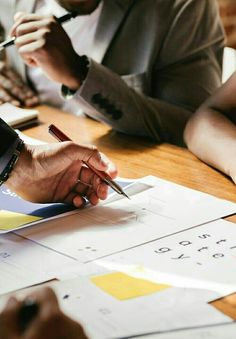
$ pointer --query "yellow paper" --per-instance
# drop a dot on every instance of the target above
(10, 220)
(122, 286)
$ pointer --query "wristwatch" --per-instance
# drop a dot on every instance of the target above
(13, 160)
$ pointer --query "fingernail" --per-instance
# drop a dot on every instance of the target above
(103, 191)
(79, 202)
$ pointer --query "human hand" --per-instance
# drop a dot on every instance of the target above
(50, 322)
(56, 173)
(14, 90)
(42, 42)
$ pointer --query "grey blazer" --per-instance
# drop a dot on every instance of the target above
(153, 63)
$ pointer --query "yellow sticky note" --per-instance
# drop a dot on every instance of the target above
(122, 286)
(10, 220)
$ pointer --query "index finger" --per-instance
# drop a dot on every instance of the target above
(21, 18)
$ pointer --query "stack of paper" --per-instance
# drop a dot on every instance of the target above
(149, 252)
(18, 117)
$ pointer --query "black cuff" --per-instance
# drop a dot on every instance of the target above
(68, 93)
(7, 137)
(13, 160)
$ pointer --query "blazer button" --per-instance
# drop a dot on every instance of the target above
(110, 109)
(103, 102)
(117, 114)
(96, 98)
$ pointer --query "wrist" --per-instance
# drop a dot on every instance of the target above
(75, 80)
(20, 172)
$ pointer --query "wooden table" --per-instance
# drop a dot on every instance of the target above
(137, 157)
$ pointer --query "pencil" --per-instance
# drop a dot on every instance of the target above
(61, 20)
(60, 136)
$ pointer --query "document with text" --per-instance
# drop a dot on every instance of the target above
(195, 258)
(116, 306)
(159, 209)
(23, 263)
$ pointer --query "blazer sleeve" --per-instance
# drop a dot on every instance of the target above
(186, 71)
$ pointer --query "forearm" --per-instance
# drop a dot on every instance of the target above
(212, 138)
(105, 96)
(21, 171)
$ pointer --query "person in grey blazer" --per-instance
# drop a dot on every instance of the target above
(152, 62)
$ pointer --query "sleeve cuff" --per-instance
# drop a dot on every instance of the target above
(68, 93)
(9, 159)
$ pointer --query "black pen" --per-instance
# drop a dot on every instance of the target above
(27, 313)
(61, 20)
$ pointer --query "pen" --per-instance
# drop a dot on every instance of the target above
(60, 136)
(61, 20)
(27, 313)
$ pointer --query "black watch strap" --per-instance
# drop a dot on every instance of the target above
(9, 167)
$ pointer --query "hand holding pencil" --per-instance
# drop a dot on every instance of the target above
(57, 173)
(60, 136)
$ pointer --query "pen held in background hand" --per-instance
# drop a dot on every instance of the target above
(61, 20)
(27, 313)
(60, 136)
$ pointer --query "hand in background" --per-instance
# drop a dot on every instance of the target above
(56, 173)
(42, 42)
(13, 89)
(50, 322)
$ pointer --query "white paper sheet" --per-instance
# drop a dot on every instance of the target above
(226, 331)
(16, 116)
(24, 263)
(115, 226)
(106, 316)
(201, 257)
(103, 316)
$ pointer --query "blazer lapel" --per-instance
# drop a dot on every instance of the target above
(112, 15)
